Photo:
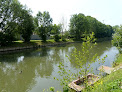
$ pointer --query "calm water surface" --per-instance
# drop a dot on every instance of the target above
(34, 70)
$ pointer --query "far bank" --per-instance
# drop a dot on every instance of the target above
(20, 45)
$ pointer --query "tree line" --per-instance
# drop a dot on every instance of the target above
(81, 24)
(16, 20)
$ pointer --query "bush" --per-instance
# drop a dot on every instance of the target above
(65, 89)
(6, 39)
(52, 89)
(56, 38)
(44, 38)
(63, 38)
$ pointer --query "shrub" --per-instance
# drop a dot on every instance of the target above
(56, 38)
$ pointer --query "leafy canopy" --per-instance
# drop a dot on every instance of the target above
(43, 22)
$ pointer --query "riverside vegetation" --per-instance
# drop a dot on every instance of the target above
(15, 24)
(109, 83)
(112, 82)
(82, 60)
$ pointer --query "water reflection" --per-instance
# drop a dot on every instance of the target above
(20, 59)
(34, 70)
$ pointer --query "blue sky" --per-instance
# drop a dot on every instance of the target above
(106, 11)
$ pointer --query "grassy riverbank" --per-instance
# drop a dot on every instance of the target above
(118, 62)
(33, 43)
(112, 82)
(20, 43)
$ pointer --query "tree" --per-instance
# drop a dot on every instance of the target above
(25, 25)
(115, 28)
(92, 24)
(117, 38)
(78, 24)
(63, 25)
(8, 20)
(56, 31)
(14, 22)
(66, 34)
(44, 22)
(82, 60)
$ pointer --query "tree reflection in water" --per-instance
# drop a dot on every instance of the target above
(33, 70)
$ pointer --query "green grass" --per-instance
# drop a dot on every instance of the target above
(118, 62)
(20, 43)
(119, 59)
(112, 82)
(109, 83)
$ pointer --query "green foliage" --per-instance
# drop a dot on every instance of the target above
(56, 38)
(79, 23)
(2, 39)
(63, 38)
(66, 89)
(118, 60)
(9, 19)
(43, 21)
(42, 33)
(56, 31)
(114, 85)
(82, 60)
(66, 34)
(109, 83)
(117, 38)
(13, 22)
(52, 89)
(115, 28)
(67, 76)
(25, 24)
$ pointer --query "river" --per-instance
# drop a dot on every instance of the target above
(34, 70)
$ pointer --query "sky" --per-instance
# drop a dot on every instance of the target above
(106, 11)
